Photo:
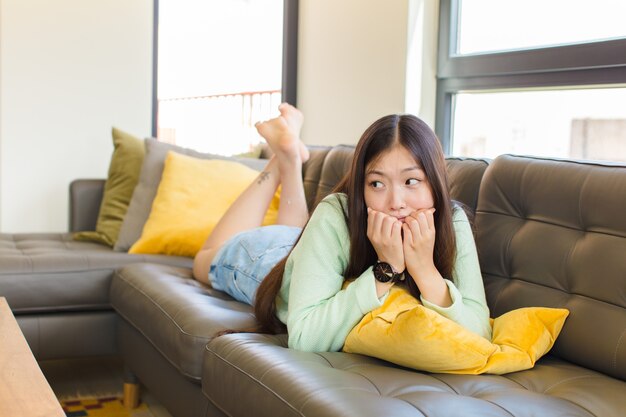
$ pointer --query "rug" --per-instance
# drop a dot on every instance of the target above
(102, 407)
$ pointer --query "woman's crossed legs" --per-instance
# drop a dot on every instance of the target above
(284, 168)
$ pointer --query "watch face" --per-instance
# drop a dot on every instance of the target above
(383, 272)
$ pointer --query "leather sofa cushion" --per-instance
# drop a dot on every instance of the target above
(176, 313)
(286, 382)
(52, 273)
(552, 233)
(336, 164)
(464, 177)
(311, 172)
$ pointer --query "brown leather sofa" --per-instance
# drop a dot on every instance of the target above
(549, 233)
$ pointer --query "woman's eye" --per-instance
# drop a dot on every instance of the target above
(412, 181)
(376, 184)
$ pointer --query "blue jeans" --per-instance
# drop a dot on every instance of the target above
(245, 259)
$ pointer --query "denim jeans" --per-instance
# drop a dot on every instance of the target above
(245, 259)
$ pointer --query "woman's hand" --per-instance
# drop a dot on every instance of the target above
(385, 233)
(419, 246)
(419, 243)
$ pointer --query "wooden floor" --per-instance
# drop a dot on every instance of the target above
(92, 377)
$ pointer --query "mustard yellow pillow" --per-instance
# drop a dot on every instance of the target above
(123, 176)
(405, 332)
(192, 196)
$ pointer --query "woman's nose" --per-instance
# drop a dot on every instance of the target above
(396, 200)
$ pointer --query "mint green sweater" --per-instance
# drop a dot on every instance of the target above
(319, 314)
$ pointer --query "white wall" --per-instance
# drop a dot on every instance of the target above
(69, 70)
(359, 60)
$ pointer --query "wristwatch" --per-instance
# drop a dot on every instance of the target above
(383, 272)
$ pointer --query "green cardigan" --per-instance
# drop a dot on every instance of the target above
(319, 314)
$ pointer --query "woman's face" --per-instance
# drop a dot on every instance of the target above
(396, 185)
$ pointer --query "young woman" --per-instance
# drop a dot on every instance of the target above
(390, 220)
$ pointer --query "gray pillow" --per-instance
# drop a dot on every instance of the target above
(149, 179)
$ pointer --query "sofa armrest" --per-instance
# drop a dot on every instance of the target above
(85, 199)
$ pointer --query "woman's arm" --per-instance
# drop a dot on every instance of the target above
(469, 305)
(321, 312)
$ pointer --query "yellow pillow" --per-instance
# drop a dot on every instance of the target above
(192, 196)
(405, 332)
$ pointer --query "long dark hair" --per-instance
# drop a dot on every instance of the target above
(415, 136)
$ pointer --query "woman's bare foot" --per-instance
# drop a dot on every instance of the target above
(295, 119)
(283, 134)
(280, 138)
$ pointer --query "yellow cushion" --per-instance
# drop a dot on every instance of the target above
(192, 196)
(123, 176)
(405, 332)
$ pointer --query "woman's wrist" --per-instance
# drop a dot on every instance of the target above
(432, 286)
(423, 274)
(382, 288)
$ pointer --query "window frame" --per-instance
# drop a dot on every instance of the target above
(591, 64)
(289, 65)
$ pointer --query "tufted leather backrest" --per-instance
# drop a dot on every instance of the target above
(336, 165)
(312, 172)
(464, 176)
(553, 233)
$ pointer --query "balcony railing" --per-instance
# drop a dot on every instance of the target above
(221, 123)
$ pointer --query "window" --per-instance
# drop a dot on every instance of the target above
(491, 26)
(222, 66)
(534, 77)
